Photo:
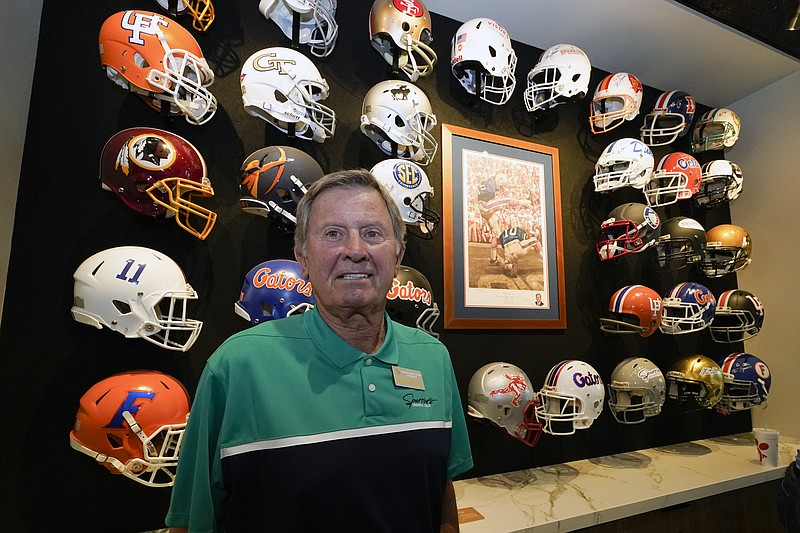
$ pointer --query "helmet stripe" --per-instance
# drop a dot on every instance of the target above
(555, 372)
(728, 362)
(620, 299)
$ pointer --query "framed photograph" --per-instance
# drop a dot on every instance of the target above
(503, 250)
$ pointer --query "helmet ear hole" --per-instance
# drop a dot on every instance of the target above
(114, 441)
(399, 122)
(492, 51)
(122, 307)
(280, 97)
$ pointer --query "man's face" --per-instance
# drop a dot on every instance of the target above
(351, 255)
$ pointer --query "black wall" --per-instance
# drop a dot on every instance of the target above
(47, 361)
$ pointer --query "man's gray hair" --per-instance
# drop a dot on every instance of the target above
(349, 179)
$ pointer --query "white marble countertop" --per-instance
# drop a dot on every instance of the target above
(569, 496)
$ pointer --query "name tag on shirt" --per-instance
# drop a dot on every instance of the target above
(408, 378)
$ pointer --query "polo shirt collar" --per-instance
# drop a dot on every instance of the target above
(339, 352)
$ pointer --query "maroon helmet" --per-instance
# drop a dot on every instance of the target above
(158, 173)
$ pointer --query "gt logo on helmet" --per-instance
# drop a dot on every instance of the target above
(269, 62)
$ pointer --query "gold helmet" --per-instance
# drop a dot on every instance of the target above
(202, 11)
(694, 382)
(728, 249)
(403, 29)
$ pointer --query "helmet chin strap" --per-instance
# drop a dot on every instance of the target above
(137, 430)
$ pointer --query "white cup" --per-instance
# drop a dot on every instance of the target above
(767, 446)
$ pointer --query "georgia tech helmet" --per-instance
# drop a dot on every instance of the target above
(403, 28)
(410, 301)
(272, 290)
(274, 179)
(137, 292)
(504, 395)
(132, 423)
(159, 174)
(156, 58)
(409, 187)
(633, 309)
(284, 88)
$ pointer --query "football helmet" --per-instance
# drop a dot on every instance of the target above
(409, 187)
(137, 292)
(624, 163)
(722, 182)
(629, 228)
(739, 316)
(283, 87)
(670, 118)
(273, 181)
(202, 11)
(561, 75)
(503, 394)
(571, 398)
(159, 174)
(318, 28)
(747, 383)
(483, 60)
(617, 99)
(132, 423)
(633, 309)
(694, 382)
(688, 307)
(676, 177)
(728, 249)
(159, 60)
(410, 301)
(716, 129)
(399, 112)
(403, 27)
(272, 290)
(637, 390)
(682, 243)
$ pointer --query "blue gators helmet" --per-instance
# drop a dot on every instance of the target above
(687, 307)
(747, 382)
(272, 290)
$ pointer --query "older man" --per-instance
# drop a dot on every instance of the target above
(337, 419)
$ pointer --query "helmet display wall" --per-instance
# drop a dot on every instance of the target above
(53, 364)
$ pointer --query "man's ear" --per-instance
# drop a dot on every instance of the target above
(400, 255)
(301, 260)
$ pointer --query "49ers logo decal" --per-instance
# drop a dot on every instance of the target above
(411, 8)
